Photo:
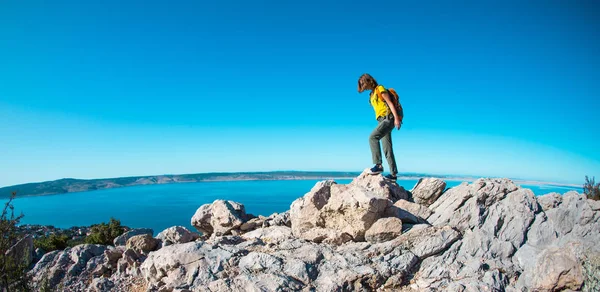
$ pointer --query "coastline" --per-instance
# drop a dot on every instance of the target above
(63, 186)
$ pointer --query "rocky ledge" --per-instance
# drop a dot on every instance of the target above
(367, 235)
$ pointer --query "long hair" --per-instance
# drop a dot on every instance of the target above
(366, 82)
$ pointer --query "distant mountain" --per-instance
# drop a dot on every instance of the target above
(70, 185)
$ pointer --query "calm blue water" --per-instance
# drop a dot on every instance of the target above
(162, 206)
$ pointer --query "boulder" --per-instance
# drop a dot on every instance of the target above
(574, 220)
(219, 218)
(176, 234)
(427, 241)
(379, 186)
(130, 262)
(278, 219)
(186, 265)
(417, 210)
(510, 219)
(555, 269)
(428, 190)
(549, 201)
(122, 239)
(252, 224)
(408, 212)
(143, 243)
(358, 266)
(202, 220)
(68, 267)
(465, 206)
(384, 229)
(305, 211)
(343, 212)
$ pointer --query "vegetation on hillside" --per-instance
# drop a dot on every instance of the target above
(591, 189)
(52, 242)
(104, 233)
(13, 271)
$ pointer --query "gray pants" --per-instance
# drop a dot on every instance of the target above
(383, 132)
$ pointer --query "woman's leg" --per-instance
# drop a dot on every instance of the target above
(388, 150)
(383, 128)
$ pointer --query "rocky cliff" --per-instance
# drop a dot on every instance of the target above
(370, 234)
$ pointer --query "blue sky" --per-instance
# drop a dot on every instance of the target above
(121, 88)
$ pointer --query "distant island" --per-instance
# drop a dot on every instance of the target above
(71, 185)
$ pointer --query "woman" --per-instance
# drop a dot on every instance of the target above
(387, 117)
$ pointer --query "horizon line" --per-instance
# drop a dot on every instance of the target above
(424, 174)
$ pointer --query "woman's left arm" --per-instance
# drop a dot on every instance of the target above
(391, 105)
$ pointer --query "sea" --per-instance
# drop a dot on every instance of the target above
(161, 206)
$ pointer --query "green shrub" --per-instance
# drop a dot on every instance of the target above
(105, 233)
(591, 189)
(74, 242)
(13, 272)
(52, 242)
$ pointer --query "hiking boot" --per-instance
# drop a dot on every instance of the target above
(391, 177)
(377, 169)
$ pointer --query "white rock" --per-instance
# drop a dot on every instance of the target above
(273, 234)
(428, 190)
(219, 218)
(384, 229)
(122, 239)
(176, 234)
(337, 213)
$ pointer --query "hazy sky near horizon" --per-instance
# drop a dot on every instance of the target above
(121, 88)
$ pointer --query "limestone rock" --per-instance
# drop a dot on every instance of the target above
(428, 190)
(555, 269)
(509, 219)
(549, 201)
(219, 218)
(409, 212)
(183, 265)
(379, 186)
(67, 267)
(176, 234)
(305, 211)
(202, 219)
(341, 211)
(428, 241)
(122, 239)
(384, 229)
(142, 243)
(326, 235)
(252, 224)
(273, 234)
(276, 219)
(462, 206)
(256, 262)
